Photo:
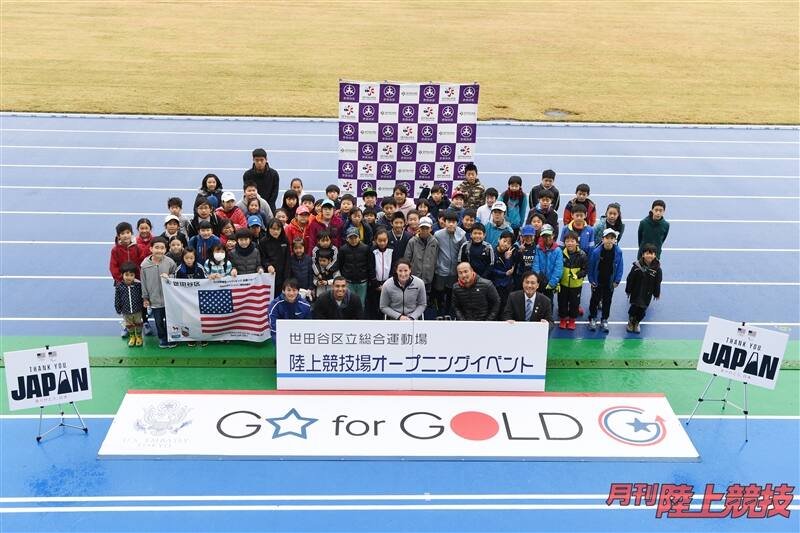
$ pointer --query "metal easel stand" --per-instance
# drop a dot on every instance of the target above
(62, 423)
(725, 401)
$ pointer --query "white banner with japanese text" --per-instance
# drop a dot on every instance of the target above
(411, 355)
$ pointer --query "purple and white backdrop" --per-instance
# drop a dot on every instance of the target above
(416, 134)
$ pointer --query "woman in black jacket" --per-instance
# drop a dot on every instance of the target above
(275, 251)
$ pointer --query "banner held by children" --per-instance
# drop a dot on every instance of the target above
(219, 309)
(412, 134)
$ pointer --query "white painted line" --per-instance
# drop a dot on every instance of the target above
(483, 154)
(143, 214)
(315, 191)
(334, 136)
(116, 319)
(733, 283)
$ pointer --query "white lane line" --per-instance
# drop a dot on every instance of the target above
(333, 136)
(333, 171)
(141, 214)
(319, 191)
(483, 154)
(699, 250)
(733, 283)
(116, 319)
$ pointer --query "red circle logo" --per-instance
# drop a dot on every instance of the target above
(474, 425)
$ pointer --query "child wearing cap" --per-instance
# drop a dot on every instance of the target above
(355, 263)
(255, 224)
(516, 203)
(525, 253)
(369, 198)
(262, 208)
(421, 252)
(484, 213)
(204, 242)
(576, 263)
(578, 225)
(172, 229)
(643, 284)
(326, 220)
(230, 211)
(581, 198)
(477, 252)
(612, 219)
(175, 207)
(654, 228)
(472, 188)
(497, 225)
(156, 266)
(245, 257)
(548, 179)
(548, 262)
(128, 302)
(297, 228)
(605, 273)
(275, 252)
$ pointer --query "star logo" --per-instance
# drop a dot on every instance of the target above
(349, 90)
(425, 169)
(386, 169)
(367, 149)
(630, 425)
(445, 151)
(348, 129)
(429, 91)
(447, 112)
(388, 131)
(466, 131)
(406, 150)
(427, 131)
(290, 424)
(638, 425)
(408, 111)
(388, 91)
(469, 92)
(369, 111)
(347, 168)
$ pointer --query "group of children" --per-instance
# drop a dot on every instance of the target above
(313, 241)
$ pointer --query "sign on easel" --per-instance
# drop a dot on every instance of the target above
(48, 376)
(742, 352)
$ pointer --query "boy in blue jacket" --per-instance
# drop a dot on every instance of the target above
(605, 273)
(579, 226)
(548, 262)
(477, 252)
(289, 305)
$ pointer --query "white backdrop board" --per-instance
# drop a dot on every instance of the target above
(40, 376)
(396, 424)
(743, 353)
(411, 355)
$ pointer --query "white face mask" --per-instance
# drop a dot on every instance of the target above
(219, 256)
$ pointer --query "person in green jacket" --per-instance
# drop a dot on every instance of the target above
(569, 294)
(654, 228)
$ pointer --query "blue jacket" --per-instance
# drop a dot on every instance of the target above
(586, 237)
(479, 256)
(501, 266)
(549, 263)
(203, 247)
(493, 232)
(516, 209)
(300, 269)
(594, 265)
(280, 308)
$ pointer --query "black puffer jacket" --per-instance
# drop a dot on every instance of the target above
(275, 252)
(356, 263)
(643, 282)
(477, 302)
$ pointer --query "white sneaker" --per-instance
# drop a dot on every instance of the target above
(592, 324)
(604, 325)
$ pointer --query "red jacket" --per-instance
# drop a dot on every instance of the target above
(591, 212)
(122, 254)
(235, 215)
(144, 248)
(294, 231)
(335, 227)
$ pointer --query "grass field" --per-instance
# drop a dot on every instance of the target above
(719, 62)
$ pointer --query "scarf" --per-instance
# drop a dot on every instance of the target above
(471, 281)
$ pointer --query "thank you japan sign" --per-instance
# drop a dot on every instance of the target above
(411, 355)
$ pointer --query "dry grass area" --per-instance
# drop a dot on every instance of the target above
(726, 62)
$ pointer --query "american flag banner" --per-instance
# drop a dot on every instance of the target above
(414, 134)
(221, 309)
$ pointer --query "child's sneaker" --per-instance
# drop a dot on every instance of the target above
(636, 328)
(139, 340)
(592, 324)
(630, 328)
(148, 330)
(604, 325)
(124, 333)
(131, 340)
(165, 344)
(203, 344)
(191, 344)
(571, 324)
(562, 324)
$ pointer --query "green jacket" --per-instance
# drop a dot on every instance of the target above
(575, 266)
(653, 232)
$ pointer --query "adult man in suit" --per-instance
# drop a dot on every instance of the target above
(528, 305)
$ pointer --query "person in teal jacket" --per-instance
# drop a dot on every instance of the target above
(516, 203)
(605, 273)
(612, 219)
(654, 228)
(548, 262)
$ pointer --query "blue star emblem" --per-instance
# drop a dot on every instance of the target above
(638, 425)
(290, 424)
